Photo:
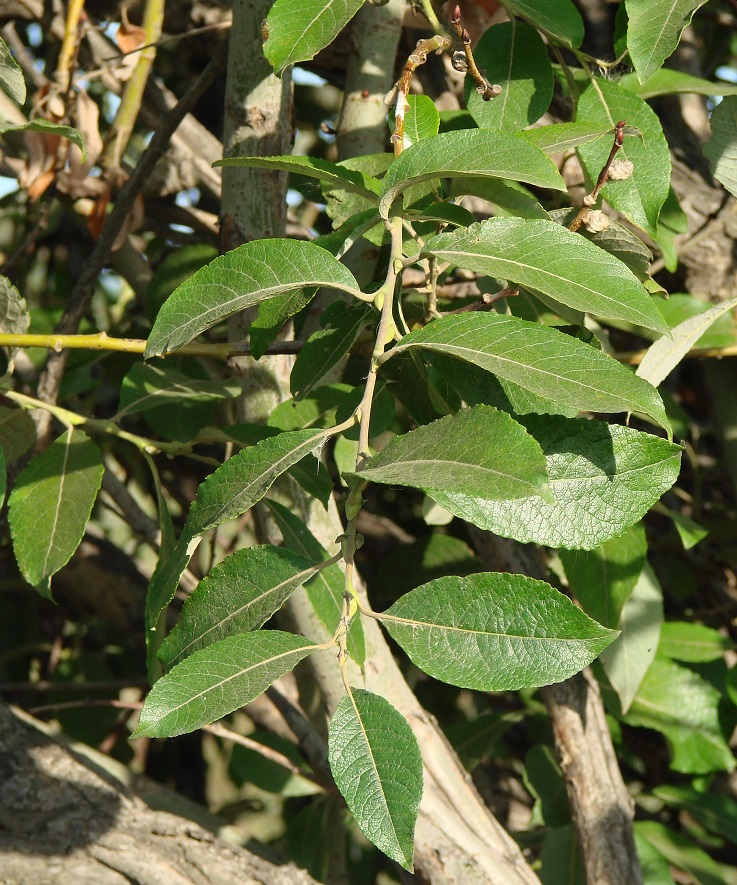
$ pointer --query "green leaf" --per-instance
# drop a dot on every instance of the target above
(665, 354)
(376, 762)
(296, 30)
(318, 409)
(682, 306)
(51, 504)
(324, 349)
(325, 590)
(509, 197)
(479, 451)
(544, 780)
(627, 659)
(560, 857)
(227, 493)
(680, 852)
(312, 167)
(716, 811)
(563, 136)
(246, 477)
(604, 478)
(246, 276)
(12, 81)
(14, 316)
(383, 407)
(685, 641)
(641, 196)
(513, 55)
(668, 81)
(17, 433)
(494, 632)
(542, 255)
(468, 153)
(475, 386)
(655, 868)
(47, 128)
(683, 707)
(148, 387)
(271, 316)
(238, 595)
(654, 30)
(721, 150)
(539, 359)
(219, 679)
(603, 579)
(421, 120)
(558, 19)
(618, 241)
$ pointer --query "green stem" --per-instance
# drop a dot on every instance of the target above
(96, 425)
(103, 341)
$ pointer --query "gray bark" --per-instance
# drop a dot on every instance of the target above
(64, 820)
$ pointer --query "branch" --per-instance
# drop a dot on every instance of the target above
(48, 389)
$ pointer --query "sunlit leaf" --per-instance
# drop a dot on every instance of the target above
(218, 679)
(654, 30)
(50, 505)
(376, 762)
(495, 632)
(238, 595)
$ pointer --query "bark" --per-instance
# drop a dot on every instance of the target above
(65, 821)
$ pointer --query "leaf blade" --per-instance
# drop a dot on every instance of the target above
(654, 30)
(235, 671)
(238, 595)
(317, 21)
(494, 632)
(603, 479)
(241, 278)
(481, 450)
(468, 153)
(51, 504)
(376, 762)
(541, 360)
(544, 256)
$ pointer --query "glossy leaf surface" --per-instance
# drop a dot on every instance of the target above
(149, 387)
(541, 360)
(467, 154)
(238, 595)
(558, 18)
(654, 30)
(641, 196)
(513, 55)
(296, 30)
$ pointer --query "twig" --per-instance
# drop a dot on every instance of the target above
(132, 98)
(272, 755)
(590, 199)
(486, 301)
(466, 63)
(103, 341)
(438, 43)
